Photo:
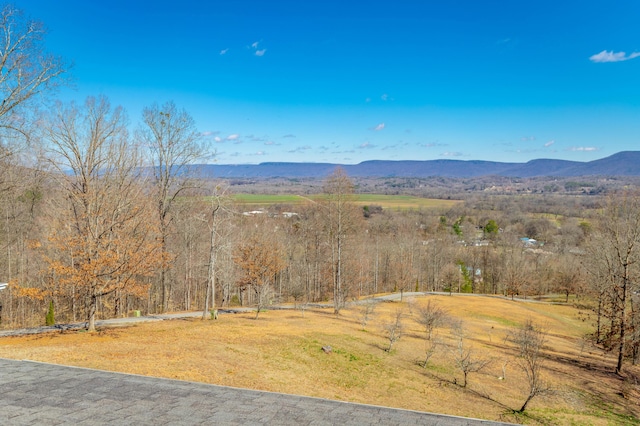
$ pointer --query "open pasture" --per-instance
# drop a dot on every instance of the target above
(394, 202)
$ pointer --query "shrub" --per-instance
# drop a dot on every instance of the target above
(50, 318)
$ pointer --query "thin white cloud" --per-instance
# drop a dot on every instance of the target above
(582, 148)
(289, 135)
(611, 56)
(233, 137)
(384, 97)
(431, 144)
(218, 139)
(261, 52)
(224, 51)
(524, 151)
(451, 154)
(209, 133)
(270, 143)
(366, 145)
(300, 149)
(255, 44)
(548, 144)
(379, 127)
(528, 138)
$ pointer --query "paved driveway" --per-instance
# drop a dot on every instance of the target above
(37, 393)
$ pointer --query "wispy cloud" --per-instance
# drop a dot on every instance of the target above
(257, 51)
(451, 154)
(548, 144)
(384, 97)
(366, 145)
(218, 139)
(209, 133)
(582, 148)
(611, 56)
(524, 151)
(254, 138)
(289, 135)
(300, 149)
(507, 43)
(528, 138)
(224, 51)
(431, 144)
(379, 127)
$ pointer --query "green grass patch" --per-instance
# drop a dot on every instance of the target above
(394, 202)
(403, 202)
(498, 320)
(267, 200)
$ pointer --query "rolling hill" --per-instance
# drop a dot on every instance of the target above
(625, 163)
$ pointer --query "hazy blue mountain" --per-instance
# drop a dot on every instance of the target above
(621, 164)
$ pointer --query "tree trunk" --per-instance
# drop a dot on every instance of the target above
(524, 406)
(623, 322)
(92, 314)
(163, 268)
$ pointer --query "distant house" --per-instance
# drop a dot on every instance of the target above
(529, 242)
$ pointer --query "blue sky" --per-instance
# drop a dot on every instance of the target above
(347, 81)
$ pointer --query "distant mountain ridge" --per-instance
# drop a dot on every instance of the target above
(626, 163)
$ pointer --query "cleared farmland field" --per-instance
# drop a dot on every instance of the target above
(397, 202)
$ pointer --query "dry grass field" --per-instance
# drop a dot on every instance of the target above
(281, 351)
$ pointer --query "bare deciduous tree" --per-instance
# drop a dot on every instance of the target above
(341, 214)
(216, 211)
(367, 307)
(261, 260)
(615, 255)
(173, 144)
(529, 340)
(28, 74)
(394, 328)
(568, 278)
(103, 234)
(431, 316)
(430, 348)
(26, 69)
(464, 356)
